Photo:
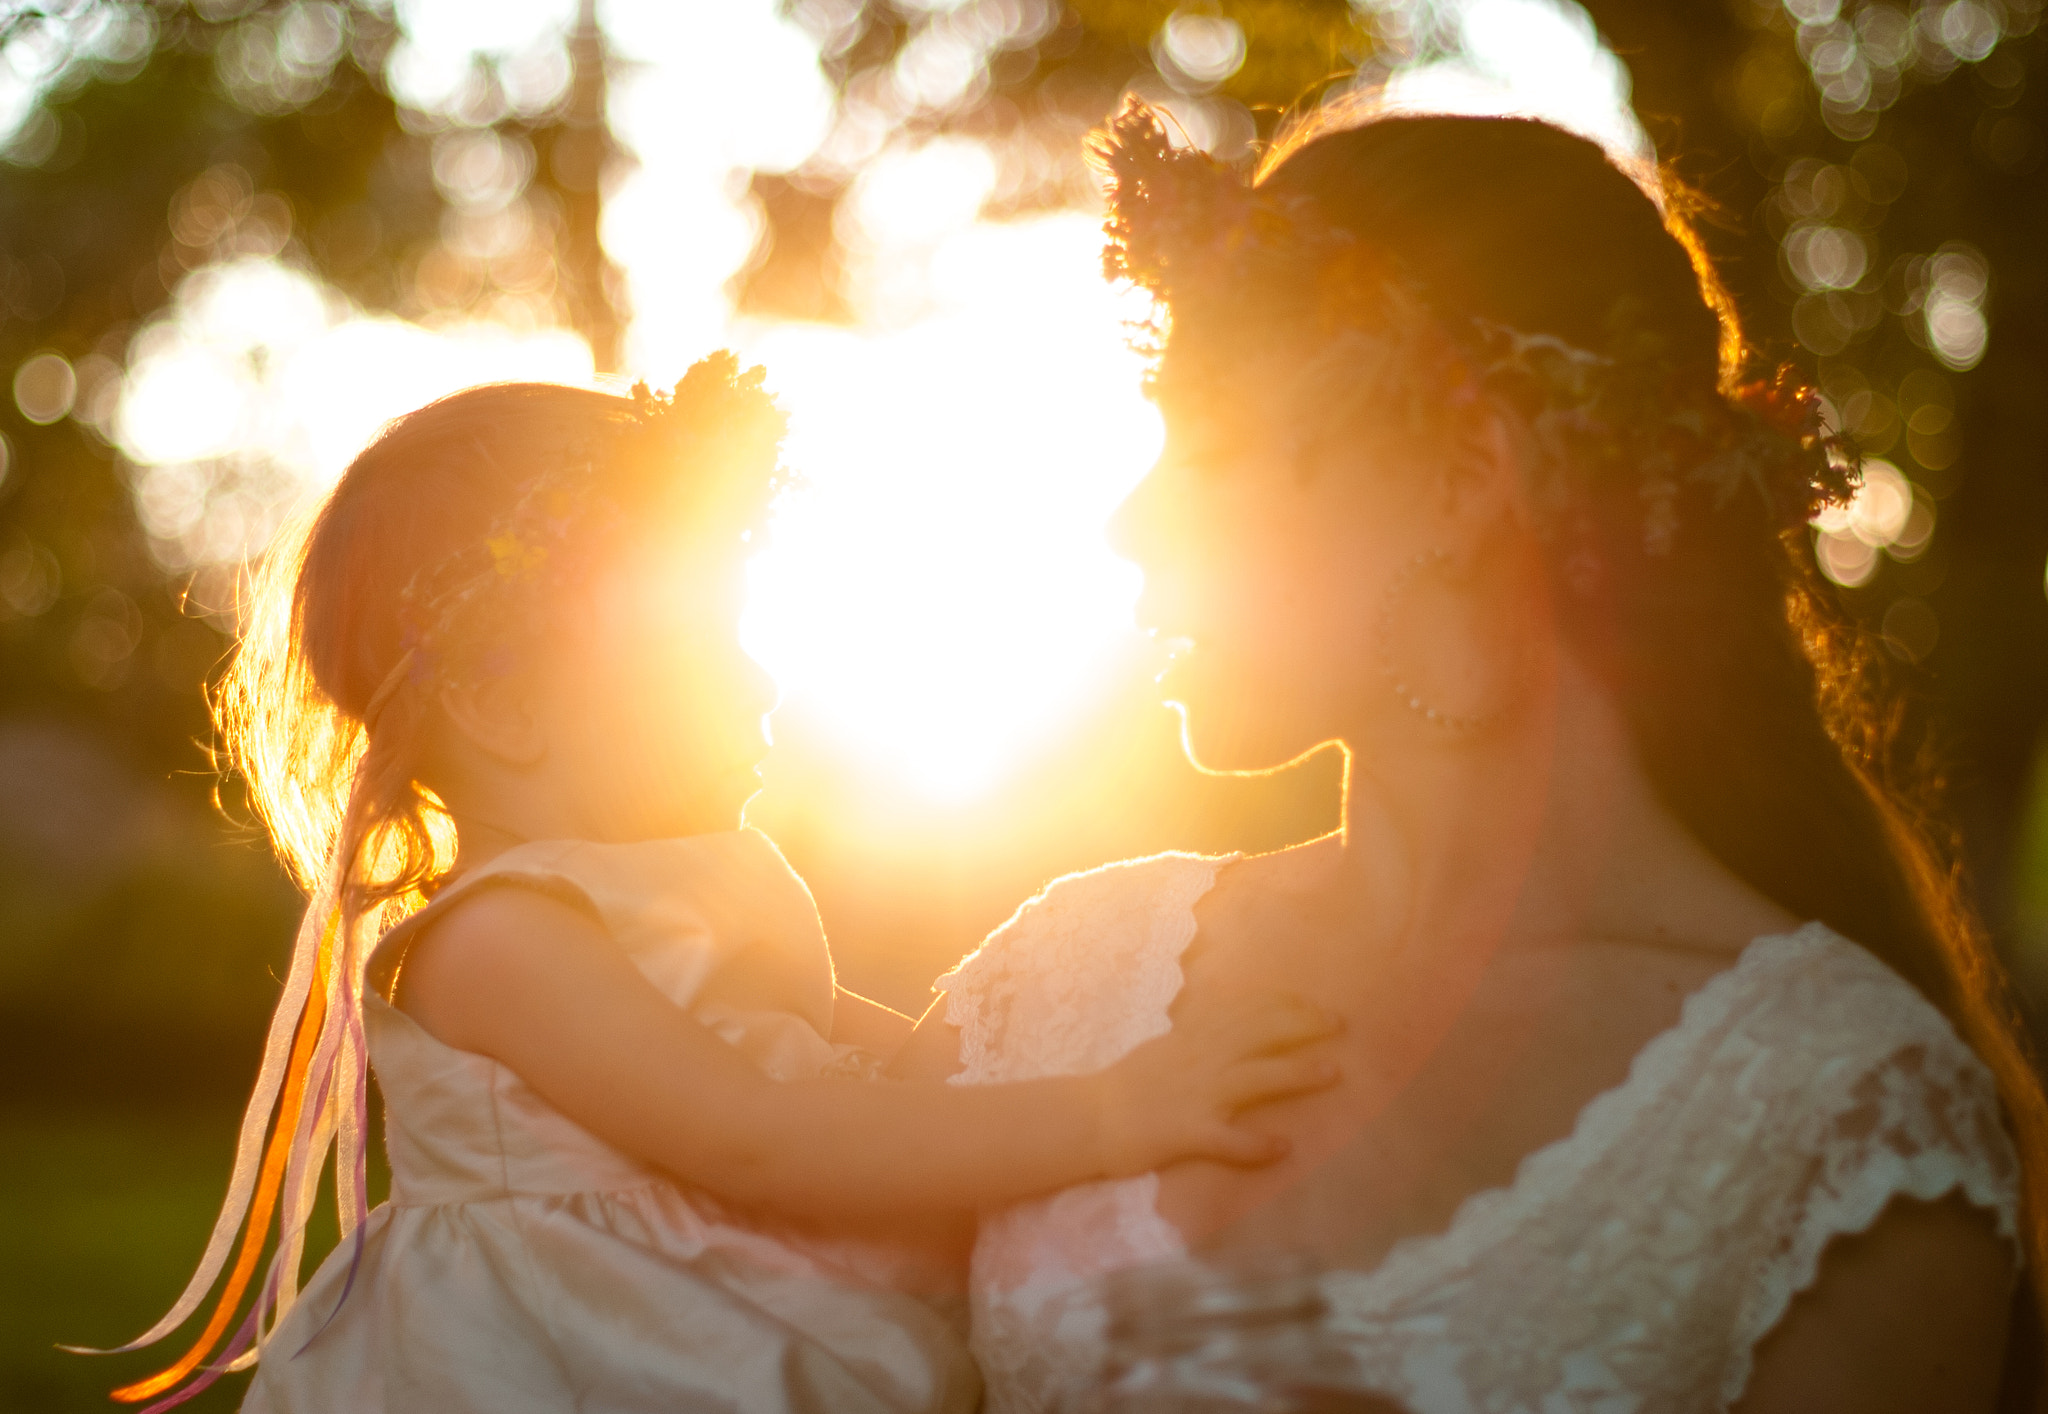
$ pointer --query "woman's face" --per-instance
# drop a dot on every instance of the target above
(656, 708)
(1288, 584)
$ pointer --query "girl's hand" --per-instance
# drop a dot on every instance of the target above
(1177, 1096)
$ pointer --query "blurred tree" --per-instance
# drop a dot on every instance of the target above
(1029, 77)
(163, 141)
(168, 136)
(1873, 172)
(1876, 169)
(157, 142)
(577, 148)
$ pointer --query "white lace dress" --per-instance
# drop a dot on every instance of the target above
(1633, 1265)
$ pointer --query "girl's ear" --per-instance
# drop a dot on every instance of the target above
(499, 717)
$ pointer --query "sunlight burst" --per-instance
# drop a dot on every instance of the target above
(938, 597)
(939, 594)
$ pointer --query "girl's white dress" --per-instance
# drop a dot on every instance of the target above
(1632, 1266)
(522, 1264)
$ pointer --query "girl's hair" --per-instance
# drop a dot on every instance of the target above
(438, 554)
(328, 625)
(1756, 706)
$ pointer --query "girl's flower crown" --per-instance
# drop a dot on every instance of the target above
(1230, 259)
(706, 455)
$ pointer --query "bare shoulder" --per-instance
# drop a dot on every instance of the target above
(1909, 1315)
(489, 938)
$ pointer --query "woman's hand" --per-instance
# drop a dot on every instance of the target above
(1177, 1096)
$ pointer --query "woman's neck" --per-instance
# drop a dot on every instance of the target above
(1547, 830)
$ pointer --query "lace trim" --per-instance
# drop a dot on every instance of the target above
(1864, 1167)
(1087, 938)
(1798, 1093)
(1918, 1119)
(1487, 1217)
(1079, 976)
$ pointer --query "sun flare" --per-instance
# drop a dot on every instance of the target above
(937, 596)
(938, 593)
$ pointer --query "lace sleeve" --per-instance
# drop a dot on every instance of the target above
(1078, 975)
(1917, 1118)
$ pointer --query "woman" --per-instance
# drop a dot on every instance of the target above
(1677, 1076)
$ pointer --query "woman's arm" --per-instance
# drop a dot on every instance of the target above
(536, 985)
(1906, 1317)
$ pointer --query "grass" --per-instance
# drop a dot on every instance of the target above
(102, 1214)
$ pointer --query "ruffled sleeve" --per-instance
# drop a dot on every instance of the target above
(1895, 1106)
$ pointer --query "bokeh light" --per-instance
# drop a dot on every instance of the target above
(1887, 516)
(45, 387)
(938, 595)
(258, 386)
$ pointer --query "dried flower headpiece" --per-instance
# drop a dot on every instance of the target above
(705, 457)
(1232, 259)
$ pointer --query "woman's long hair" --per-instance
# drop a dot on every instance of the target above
(1759, 709)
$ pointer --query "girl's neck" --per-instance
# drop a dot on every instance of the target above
(497, 807)
(479, 841)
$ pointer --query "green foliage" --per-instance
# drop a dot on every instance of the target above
(195, 139)
(102, 1214)
(1918, 153)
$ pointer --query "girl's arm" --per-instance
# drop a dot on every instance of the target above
(536, 985)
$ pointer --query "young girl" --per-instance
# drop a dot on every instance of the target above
(494, 710)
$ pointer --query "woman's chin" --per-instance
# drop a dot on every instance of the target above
(1226, 743)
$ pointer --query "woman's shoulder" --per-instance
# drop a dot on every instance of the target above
(1814, 998)
(1848, 1089)
(1845, 1082)
(1123, 881)
(1817, 1040)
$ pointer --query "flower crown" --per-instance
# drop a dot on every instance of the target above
(1225, 255)
(706, 455)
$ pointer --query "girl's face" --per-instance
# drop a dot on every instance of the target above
(651, 708)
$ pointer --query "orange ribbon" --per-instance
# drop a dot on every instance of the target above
(267, 1187)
